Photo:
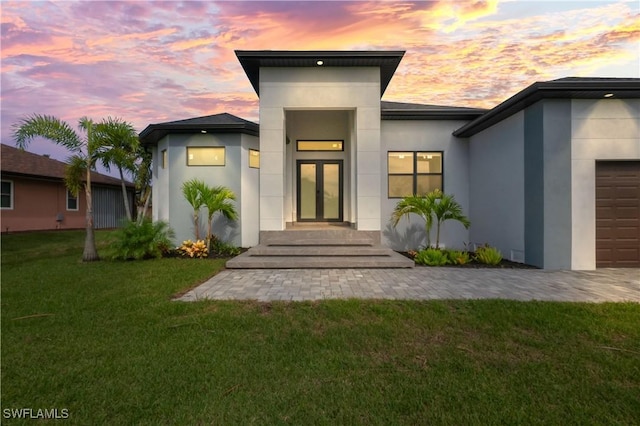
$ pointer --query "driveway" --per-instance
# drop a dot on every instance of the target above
(420, 283)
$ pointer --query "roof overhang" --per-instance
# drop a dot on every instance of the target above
(253, 60)
(154, 132)
(571, 88)
(431, 113)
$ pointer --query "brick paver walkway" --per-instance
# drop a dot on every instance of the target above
(420, 283)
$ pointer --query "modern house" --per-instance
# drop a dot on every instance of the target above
(34, 196)
(551, 176)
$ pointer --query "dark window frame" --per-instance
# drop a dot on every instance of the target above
(415, 173)
(10, 194)
(71, 197)
(320, 140)
(224, 156)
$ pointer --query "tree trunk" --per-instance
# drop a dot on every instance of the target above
(124, 194)
(142, 214)
(438, 236)
(90, 253)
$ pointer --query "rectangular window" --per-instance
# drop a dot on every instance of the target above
(7, 194)
(205, 156)
(254, 158)
(414, 173)
(163, 161)
(320, 145)
(72, 201)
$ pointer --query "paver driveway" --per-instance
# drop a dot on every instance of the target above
(420, 283)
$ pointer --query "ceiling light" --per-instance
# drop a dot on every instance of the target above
(203, 131)
(608, 95)
(320, 62)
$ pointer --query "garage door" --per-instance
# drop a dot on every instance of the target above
(617, 214)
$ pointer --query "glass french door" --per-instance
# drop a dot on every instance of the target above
(319, 191)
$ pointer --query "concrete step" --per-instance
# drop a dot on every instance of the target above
(319, 250)
(332, 236)
(249, 261)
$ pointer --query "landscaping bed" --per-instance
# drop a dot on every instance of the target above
(504, 264)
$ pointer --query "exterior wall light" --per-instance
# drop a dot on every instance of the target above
(203, 131)
(320, 62)
(608, 95)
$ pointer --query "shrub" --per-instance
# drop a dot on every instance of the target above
(197, 249)
(488, 255)
(141, 240)
(457, 257)
(222, 249)
(431, 257)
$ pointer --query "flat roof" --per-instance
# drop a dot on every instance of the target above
(253, 60)
(564, 88)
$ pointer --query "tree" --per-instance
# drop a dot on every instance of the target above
(120, 147)
(447, 208)
(436, 203)
(142, 180)
(218, 199)
(192, 191)
(85, 149)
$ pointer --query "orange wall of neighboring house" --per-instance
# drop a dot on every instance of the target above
(36, 204)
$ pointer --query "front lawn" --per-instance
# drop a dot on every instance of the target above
(105, 341)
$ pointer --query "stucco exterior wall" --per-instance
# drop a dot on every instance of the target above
(249, 195)
(426, 135)
(496, 187)
(605, 129)
(322, 88)
(175, 207)
(36, 205)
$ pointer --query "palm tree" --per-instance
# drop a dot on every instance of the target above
(218, 199)
(85, 151)
(447, 208)
(142, 180)
(120, 145)
(192, 191)
(421, 206)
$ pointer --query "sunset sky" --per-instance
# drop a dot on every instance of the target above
(152, 61)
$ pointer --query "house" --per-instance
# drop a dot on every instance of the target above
(34, 196)
(551, 176)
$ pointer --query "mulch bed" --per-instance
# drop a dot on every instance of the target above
(473, 264)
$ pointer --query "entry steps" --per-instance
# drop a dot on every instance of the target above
(333, 247)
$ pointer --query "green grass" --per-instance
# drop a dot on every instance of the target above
(105, 341)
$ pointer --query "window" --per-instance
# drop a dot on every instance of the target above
(205, 156)
(72, 201)
(414, 173)
(254, 158)
(163, 161)
(320, 145)
(7, 194)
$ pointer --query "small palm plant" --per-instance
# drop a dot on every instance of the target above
(192, 191)
(447, 208)
(218, 199)
(443, 206)
(421, 206)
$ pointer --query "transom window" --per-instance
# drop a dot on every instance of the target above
(72, 201)
(7, 194)
(205, 156)
(320, 145)
(254, 158)
(414, 173)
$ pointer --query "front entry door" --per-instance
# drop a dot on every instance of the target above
(319, 191)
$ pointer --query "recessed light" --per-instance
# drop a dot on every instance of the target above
(203, 131)
(320, 62)
(608, 95)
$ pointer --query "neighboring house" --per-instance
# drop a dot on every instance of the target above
(550, 176)
(34, 196)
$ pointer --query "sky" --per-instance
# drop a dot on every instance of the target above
(155, 61)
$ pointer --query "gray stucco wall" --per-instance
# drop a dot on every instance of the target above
(496, 187)
(171, 204)
(425, 135)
